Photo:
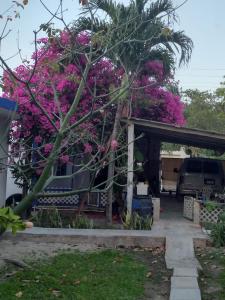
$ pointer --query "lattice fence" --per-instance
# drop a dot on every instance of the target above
(67, 201)
(211, 215)
(96, 199)
(103, 199)
(188, 207)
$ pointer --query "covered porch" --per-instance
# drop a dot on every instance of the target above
(147, 137)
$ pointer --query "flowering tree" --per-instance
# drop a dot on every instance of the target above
(153, 100)
(68, 96)
(44, 103)
(150, 41)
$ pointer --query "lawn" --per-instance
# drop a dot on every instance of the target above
(212, 277)
(108, 275)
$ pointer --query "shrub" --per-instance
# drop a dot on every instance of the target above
(81, 222)
(9, 220)
(218, 232)
(52, 218)
(49, 217)
(137, 222)
(210, 206)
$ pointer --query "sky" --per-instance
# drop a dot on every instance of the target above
(202, 20)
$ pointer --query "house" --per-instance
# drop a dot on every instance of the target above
(153, 133)
(7, 113)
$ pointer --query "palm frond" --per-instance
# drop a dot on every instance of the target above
(185, 44)
(159, 7)
(140, 5)
(139, 31)
(94, 25)
(110, 7)
(177, 39)
(165, 56)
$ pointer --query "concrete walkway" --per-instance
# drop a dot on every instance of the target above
(180, 257)
(180, 235)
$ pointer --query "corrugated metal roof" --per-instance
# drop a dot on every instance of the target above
(180, 135)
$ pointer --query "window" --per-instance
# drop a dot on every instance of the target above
(194, 166)
(61, 170)
(211, 167)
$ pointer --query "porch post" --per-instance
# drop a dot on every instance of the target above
(130, 167)
(196, 212)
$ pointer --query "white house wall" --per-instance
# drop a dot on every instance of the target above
(11, 187)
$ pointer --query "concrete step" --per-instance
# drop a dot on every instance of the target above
(185, 272)
(184, 282)
(185, 294)
(180, 252)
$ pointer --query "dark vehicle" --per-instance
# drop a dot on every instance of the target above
(13, 200)
(198, 173)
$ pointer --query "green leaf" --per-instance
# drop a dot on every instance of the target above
(10, 220)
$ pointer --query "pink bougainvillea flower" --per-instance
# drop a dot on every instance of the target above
(101, 148)
(114, 145)
(83, 38)
(48, 148)
(65, 37)
(156, 67)
(64, 159)
(87, 148)
(38, 139)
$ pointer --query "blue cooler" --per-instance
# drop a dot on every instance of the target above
(142, 205)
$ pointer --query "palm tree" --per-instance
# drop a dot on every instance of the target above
(137, 33)
(142, 32)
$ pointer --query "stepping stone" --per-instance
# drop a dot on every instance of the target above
(189, 262)
(185, 272)
(178, 247)
(180, 253)
(185, 294)
(184, 282)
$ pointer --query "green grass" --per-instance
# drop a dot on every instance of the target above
(106, 275)
(212, 277)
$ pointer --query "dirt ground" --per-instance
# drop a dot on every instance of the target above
(157, 286)
(33, 250)
(212, 276)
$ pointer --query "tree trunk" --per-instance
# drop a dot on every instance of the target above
(27, 200)
(111, 167)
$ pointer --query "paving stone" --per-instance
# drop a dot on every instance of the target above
(182, 263)
(185, 272)
(184, 282)
(185, 294)
(180, 252)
